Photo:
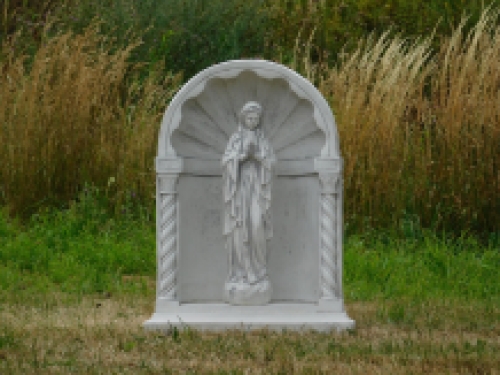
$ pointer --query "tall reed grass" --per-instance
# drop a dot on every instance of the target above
(421, 135)
(77, 115)
(419, 128)
(189, 35)
(338, 24)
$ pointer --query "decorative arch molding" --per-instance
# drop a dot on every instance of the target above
(301, 87)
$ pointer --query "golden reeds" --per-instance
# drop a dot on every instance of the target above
(465, 100)
(370, 93)
(420, 131)
(421, 135)
(76, 116)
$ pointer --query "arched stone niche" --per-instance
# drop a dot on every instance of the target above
(305, 253)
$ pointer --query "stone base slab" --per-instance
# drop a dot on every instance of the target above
(274, 316)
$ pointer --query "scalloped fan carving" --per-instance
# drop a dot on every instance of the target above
(209, 119)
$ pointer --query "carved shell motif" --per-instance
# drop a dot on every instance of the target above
(209, 119)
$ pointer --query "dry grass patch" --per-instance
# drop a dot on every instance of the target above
(77, 112)
(420, 131)
(104, 335)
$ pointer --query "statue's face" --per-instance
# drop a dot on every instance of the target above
(252, 120)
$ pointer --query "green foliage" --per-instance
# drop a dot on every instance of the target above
(29, 14)
(338, 25)
(379, 265)
(82, 248)
(202, 33)
(63, 291)
(7, 339)
(187, 35)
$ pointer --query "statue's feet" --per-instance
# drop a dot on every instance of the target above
(242, 293)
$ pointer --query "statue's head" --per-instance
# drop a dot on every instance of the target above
(250, 115)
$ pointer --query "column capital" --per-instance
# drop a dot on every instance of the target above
(167, 184)
(169, 165)
(329, 165)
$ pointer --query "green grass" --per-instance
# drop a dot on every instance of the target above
(78, 250)
(430, 267)
(85, 250)
(76, 284)
(193, 34)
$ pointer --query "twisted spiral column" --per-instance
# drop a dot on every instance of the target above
(328, 238)
(167, 228)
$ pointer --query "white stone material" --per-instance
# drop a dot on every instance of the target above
(297, 283)
(279, 316)
(247, 179)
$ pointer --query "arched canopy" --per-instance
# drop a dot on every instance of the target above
(302, 89)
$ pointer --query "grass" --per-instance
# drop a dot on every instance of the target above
(79, 113)
(84, 249)
(418, 133)
(76, 285)
(187, 35)
(78, 250)
(103, 335)
(423, 129)
(428, 268)
(176, 31)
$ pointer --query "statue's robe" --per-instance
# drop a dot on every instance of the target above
(247, 202)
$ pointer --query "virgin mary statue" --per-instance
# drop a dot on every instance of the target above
(247, 175)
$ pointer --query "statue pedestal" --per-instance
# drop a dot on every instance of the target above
(248, 294)
(274, 316)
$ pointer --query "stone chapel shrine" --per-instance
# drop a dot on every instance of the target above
(249, 196)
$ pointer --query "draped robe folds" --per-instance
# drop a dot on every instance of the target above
(247, 215)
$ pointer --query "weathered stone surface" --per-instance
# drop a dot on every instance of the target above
(302, 287)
